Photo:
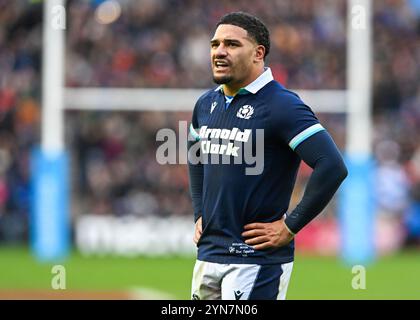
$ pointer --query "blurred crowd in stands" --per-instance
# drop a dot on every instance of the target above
(165, 44)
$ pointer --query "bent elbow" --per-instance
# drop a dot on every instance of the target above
(342, 171)
(337, 170)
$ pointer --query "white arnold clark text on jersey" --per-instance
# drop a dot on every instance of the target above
(228, 149)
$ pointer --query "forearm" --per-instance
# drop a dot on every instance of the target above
(196, 173)
(329, 172)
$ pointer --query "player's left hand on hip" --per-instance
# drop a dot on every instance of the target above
(267, 235)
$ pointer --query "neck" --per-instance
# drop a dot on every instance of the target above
(231, 89)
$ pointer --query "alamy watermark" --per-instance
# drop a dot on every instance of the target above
(358, 281)
(56, 15)
(358, 17)
(212, 146)
(58, 281)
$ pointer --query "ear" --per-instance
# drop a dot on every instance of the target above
(259, 53)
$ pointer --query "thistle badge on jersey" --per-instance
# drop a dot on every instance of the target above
(245, 112)
(213, 105)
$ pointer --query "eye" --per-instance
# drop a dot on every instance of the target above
(232, 44)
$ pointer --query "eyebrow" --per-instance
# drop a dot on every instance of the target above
(226, 41)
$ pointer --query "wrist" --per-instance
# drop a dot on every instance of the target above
(288, 229)
(197, 217)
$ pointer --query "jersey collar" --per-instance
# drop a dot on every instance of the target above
(256, 85)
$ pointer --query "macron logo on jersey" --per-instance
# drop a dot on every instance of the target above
(225, 134)
(213, 105)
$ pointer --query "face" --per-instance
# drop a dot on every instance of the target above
(233, 55)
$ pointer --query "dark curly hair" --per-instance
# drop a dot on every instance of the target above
(255, 27)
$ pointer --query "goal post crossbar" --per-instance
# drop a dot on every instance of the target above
(150, 99)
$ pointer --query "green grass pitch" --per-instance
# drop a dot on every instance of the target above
(313, 277)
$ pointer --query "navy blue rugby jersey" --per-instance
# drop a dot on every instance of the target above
(232, 198)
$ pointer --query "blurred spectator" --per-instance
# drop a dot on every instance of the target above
(392, 185)
(412, 215)
(392, 192)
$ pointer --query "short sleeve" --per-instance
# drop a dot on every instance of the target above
(292, 121)
(194, 125)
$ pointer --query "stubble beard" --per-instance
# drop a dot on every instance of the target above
(222, 80)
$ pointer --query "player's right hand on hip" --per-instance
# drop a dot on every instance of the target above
(198, 230)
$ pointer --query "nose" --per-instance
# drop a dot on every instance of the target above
(220, 51)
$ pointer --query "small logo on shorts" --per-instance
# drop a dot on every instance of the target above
(195, 297)
(238, 294)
